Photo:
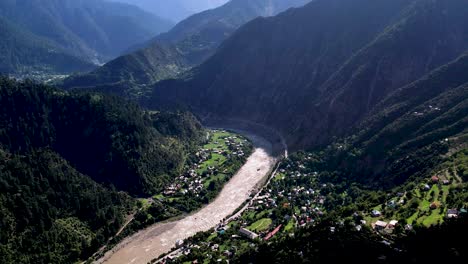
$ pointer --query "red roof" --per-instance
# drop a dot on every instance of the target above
(435, 178)
(272, 233)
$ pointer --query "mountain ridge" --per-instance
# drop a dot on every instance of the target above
(308, 108)
(192, 41)
(90, 30)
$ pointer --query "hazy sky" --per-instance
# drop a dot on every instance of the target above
(175, 10)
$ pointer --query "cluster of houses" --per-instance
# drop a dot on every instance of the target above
(184, 184)
(234, 146)
(385, 227)
(191, 182)
(306, 203)
(429, 109)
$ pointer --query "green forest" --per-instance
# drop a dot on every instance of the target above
(67, 162)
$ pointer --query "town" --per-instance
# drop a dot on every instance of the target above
(296, 197)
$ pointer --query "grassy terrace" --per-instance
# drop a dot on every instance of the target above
(260, 225)
(427, 202)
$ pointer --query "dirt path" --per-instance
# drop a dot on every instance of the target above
(150, 243)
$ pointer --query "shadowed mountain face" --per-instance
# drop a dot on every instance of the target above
(175, 10)
(89, 30)
(315, 72)
(188, 44)
(22, 51)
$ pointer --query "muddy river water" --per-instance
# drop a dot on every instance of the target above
(158, 239)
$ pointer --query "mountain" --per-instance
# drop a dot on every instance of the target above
(22, 52)
(419, 130)
(402, 135)
(315, 72)
(65, 159)
(132, 75)
(190, 42)
(112, 141)
(90, 30)
(175, 10)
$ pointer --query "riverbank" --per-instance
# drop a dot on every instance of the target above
(158, 239)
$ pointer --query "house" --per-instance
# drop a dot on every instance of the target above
(452, 213)
(247, 233)
(446, 182)
(393, 224)
(408, 227)
(426, 187)
(179, 243)
(215, 247)
(435, 179)
(376, 213)
(379, 225)
(272, 233)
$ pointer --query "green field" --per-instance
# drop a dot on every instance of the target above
(261, 225)
(289, 226)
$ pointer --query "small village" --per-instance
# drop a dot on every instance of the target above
(214, 163)
(292, 199)
(426, 203)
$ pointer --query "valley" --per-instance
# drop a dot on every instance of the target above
(160, 238)
(258, 131)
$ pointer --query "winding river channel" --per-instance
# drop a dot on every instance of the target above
(158, 239)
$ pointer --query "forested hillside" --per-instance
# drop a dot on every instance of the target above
(312, 73)
(175, 10)
(131, 75)
(69, 31)
(188, 44)
(55, 150)
(23, 52)
(111, 140)
(51, 213)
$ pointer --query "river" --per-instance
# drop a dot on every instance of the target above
(158, 239)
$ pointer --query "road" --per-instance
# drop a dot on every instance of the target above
(158, 239)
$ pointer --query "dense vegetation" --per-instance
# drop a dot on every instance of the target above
(104, 137)
(22, 52)
(188, 44)
(65, 36)
(55, 149)
(51, 213)
(131, 75)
